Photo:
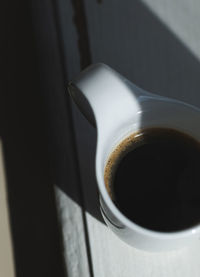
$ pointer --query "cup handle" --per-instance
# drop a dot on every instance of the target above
(105, 97)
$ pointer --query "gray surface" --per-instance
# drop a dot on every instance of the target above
(156, 45)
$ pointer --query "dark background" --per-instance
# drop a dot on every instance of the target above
(33, 113)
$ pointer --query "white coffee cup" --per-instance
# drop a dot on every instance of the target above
(118, 108)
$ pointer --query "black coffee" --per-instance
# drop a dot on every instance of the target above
(153, 177)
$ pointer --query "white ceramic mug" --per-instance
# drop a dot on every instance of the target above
(118, 108)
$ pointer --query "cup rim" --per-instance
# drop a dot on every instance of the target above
(134, 226)
(190, 231)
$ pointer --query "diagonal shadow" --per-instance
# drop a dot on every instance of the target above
(36, 118)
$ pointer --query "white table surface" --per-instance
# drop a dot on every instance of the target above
(6, 248)
(156, 44)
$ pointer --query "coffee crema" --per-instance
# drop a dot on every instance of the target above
(153, 177)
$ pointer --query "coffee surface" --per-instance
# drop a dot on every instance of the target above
(153, 177)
